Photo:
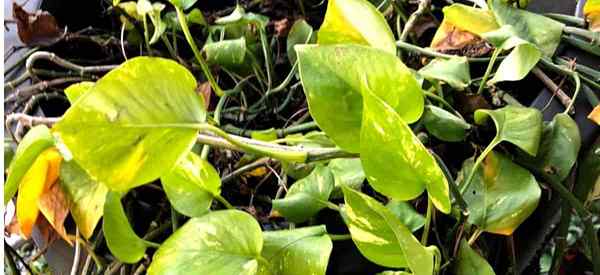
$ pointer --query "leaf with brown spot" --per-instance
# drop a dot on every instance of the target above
(595, 115)
(39, 28)
(205, 91)
(55, 207)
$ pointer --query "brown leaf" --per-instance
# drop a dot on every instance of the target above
(39, 28)
(12, 227)
(282, 27)
(460, 42)
(205, 91)
(55, 207)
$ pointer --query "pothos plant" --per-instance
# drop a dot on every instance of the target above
(139, 122)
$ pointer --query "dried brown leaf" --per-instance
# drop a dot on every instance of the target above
(39, 28)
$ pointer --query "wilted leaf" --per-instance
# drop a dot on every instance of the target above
(348, 172)
(55, 207)
(470, 262)
(33, 144)
(444, 125)
(121, 240)
(407, 214)
(307, 196)
(356, 22)
(501, 195)
(298, 251)
(300, 33)
(395, 162)
(74, 91)
(86, 197)
(39, 28)
(595, 115)
(220, 242)
(133, 125)
(454, 71)
(334, 77)
(191, 185)
(381, 237)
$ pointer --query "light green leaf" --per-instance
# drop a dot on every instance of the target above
(159, 25)
(395, 161)
(470, 262)
(356, 22)
(389, 272)
(518, 125)
(134, 124)
(120, 237)
(86, 197)
(195, 16)
(407, 214)
(241, 17)
(299, 251)
(74, 91)
(231, 54)
(501, 195)
(226, 242)
(333, 78)
(348, 172)
(300, 33)
(558, 149)
(454, 71)
(307, 196)
(381, 237)
(540, 30)
(33, 143)
(143, 7)
(183, 4)
(444, 125)
(191, 185)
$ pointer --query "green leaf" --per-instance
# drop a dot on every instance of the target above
(299, 251)
(159, 25)
(587, 186)
(144, 7)
(191, 185)
(454, 71)
(333, 78)
(558, 149)
(380, 235)
(501, 195)
(221, 242)
(389, 272)
(444, 125)
(470, 262)
(86, 197)
(407, 214)
(356, 22)
(239, 16)
(300, 33)
(195, 16)
(120, 237)
(540, 30)
(33, 143)
(135, 123)
(9, 152)
(307, 196)
(348, 172)
(183, 4)
(227, 53)
(395, 161)
(518, 125)
(74, 91)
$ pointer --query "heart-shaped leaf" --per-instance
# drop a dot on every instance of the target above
(395, 161)
(348, 172)
(86, 197)
(191, 185)
(407, 214)
(221, 242)
(74, 91)
(356, 22)
(134, 124)
(307, 196)
(120, 237)
(300, 33)
(381, 237)
(501, 195)
(231, 54)
(444, 125)
(32, 145)
(333, 79)
(454, 71)
(299, 251)
(470, 262)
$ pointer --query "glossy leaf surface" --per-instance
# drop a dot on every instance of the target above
(348, 172)
(134, 123)
(470, 262)
(191, 185)
(221, 242)
(454, 71)
(120, 237)
(407, 214)
(444, 125)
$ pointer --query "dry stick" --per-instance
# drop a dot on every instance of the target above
(23, 93)
(421, 9)
(564, 99)
(64, 63)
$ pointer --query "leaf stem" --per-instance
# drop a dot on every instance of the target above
(431, 53)
(412, 19)
(488, 70)
(197, 54)
(332, 206)
(340, 237)
(478, 161)
(475, 235)
(425, 235)
(223, 201)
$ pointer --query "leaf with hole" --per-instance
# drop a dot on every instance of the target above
(307, 196)
(221, 242)
(121, 134)
(191, 185)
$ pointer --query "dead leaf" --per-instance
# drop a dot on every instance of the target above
(205, 91)
(452, 40)
(595, 115)
(12, 227)
(39, 28)
(46, 231)
(55, 207)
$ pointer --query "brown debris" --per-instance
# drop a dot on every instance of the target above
(39, 28)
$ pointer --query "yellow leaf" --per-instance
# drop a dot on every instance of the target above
(595, 115)
(42, 173)
(591, 10)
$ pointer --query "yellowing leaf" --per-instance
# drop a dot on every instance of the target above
(36, 181)
(595, 115)
(591, 10)
(55, 207)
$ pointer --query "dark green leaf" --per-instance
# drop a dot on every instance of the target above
(231, 54)
(470, 262)
(191, 185)
(587, 186)
(226, 242)
(135, 123)
(348, 172)
(407, 214)
(444, 125)
(307, 196)
(120, 237)
(454, 71)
